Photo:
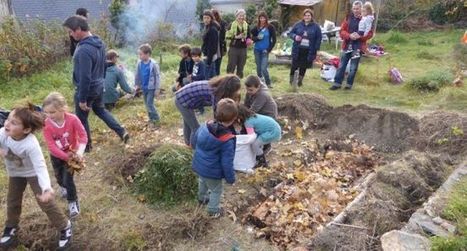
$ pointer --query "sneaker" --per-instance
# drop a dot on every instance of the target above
(334, 87)
(63, 192)
(65, 237)
(218, 214)
(267, 149)
(125, 137)
(8, 236)
(348, 88)
(261, 161)
(74, 208)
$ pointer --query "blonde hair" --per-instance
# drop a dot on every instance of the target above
(369, 8)
(56, 100)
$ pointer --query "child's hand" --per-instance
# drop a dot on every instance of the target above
(46, 196)
(298, 38)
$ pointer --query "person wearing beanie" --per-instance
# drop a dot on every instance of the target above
(239, 37)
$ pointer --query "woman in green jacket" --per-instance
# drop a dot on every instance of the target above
(239, 36)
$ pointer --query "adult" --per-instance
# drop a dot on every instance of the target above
(307, 36)
(348, 32)
(238, 35)
(88, 77)
(73, 43)
(210, 46)
(203, 93)
(222, 44)
(264, 36)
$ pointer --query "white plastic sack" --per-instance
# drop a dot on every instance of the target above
(245, 158)
(328, 72)
(328, 25)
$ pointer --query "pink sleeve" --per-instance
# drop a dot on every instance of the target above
(250, 130)
(83, 136)
(53, 149)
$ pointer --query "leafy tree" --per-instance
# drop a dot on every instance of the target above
(116, 9)
(202, 5)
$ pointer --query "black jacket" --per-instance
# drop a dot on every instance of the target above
(185, 68)
(272, 36)
(73, 44)
(210, 45)
(222, 43)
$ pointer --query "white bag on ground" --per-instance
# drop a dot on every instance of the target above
(244, 159)
(328, 72)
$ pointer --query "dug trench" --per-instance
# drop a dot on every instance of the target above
(320, 166)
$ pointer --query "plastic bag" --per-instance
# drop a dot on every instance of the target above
(245, 158)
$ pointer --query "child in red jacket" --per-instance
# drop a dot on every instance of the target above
(66, 140)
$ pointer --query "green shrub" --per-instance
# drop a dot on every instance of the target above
(449, 11)
(433, 81)
(167, 176)
(229, 18)
(396, 37)
(30, 47)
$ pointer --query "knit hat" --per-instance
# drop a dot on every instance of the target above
(240, 11)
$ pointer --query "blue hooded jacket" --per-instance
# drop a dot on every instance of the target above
(214, 152)
(314, 34)
(89, 68)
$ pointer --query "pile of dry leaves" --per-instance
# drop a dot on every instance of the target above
(315, 186)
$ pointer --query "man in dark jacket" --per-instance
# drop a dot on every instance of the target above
(88, 77)
(348, 32)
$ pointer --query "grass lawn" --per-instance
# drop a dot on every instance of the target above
(456, 211)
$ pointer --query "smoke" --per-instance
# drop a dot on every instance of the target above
(149, 20)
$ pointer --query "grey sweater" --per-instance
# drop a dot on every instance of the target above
(262, 102)
(24, 158)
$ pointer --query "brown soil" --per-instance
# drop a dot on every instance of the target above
(303, 107)
(392, 196)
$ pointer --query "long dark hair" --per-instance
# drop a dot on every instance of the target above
(244, 113)
(217, 15)
(263, 14)
(29, 116)
(225, 86)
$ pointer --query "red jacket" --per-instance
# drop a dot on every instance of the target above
(345, 34)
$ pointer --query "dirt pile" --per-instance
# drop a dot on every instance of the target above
(386, 130)
(392, 196)
(444, 133)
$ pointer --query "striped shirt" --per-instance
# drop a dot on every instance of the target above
(196, 95)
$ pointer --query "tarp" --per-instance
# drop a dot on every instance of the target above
(300, 2)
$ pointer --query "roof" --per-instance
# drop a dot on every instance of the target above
(57, 9)
(300, 2)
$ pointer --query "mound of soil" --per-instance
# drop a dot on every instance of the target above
(444, 133)
(303, 107)
(386, 130)
(392, 196)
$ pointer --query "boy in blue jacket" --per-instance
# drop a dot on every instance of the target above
(148, 79)
(214, 154)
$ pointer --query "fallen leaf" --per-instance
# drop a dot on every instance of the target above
(241, 191)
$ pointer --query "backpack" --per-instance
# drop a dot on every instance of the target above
(395, 76)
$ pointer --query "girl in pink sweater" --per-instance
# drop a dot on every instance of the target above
(66, 140)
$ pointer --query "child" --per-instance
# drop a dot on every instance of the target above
(199, 68)
(66, 139)
(25, 165)
(148, 79)
(113, 77)
(258, 98)
(185, 67)
(214, 156)
(267, 129)
(364, 26)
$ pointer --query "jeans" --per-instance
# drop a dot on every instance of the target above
(345, 58)
(97, 107)
(148, 97)
(14, 202)
(262, 58)
(64, 178)
(190, 122)
(215, 186)
(218, 63)
(210, 69)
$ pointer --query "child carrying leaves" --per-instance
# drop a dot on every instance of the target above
(66, 139)
(25, 165)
